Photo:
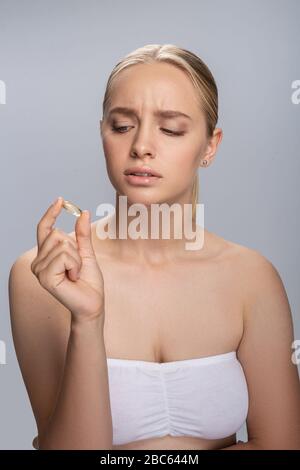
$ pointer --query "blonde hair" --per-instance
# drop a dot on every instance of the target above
(195, 69)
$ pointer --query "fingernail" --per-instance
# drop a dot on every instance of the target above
(87, 213)
(56, 200)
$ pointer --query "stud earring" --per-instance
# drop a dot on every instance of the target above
(204, 162)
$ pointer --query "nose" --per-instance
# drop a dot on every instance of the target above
(141, 154)
(142, 145)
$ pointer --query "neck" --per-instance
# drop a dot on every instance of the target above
(155, 235)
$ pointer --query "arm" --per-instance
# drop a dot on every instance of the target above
(250, 445)
(82, 418)
(273, 420)
(63, 365)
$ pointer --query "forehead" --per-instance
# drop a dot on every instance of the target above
(161, 86)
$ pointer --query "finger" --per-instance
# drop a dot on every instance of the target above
(46, 223)
(84, 235)
(62, 246)
(55, 272)
(53, 238)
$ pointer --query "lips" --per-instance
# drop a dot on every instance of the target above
(142, 171)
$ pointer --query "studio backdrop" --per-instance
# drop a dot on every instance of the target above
(55, 59)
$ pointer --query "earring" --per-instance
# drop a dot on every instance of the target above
(204, 162)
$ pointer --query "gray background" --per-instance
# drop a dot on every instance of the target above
(55, 58)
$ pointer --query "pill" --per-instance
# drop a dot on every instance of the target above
(72, 208)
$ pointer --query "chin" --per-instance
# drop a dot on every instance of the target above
(141, 197)
(146, 201)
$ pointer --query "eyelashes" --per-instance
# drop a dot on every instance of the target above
(168, 131)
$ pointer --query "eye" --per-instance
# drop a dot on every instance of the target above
(173, 132)
(119, 130)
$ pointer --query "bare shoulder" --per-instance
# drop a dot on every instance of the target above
(25, 286)
(248, 261)
(258, 279)
(259, 276)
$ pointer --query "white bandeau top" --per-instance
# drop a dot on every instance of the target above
(206, 397)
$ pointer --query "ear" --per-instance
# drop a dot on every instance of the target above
(211, 147)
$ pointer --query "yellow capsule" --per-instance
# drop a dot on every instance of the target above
(72, 208)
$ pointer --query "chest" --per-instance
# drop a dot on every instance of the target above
(175, 313)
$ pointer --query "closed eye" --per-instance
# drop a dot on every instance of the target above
(118, 129)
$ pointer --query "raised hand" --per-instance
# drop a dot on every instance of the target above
(68, 269)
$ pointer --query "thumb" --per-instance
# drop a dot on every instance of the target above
(84, 235)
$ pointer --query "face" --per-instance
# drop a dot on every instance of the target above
(172, 145)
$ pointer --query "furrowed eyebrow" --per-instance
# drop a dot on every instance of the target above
(168, 113)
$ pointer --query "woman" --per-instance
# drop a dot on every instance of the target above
(194, 342)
